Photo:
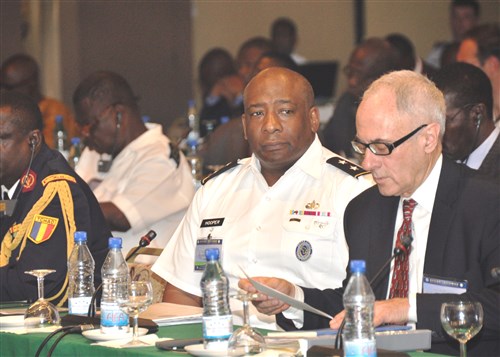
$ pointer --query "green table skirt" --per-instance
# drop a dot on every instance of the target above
(77, 345)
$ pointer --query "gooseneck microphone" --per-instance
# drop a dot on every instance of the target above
(143, 242)
(401, 248)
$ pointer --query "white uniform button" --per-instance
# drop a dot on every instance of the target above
(258, 228)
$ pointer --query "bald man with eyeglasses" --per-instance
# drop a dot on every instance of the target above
(453, 218)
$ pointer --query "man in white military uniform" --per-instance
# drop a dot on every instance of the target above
(277, 213)
(144, 182)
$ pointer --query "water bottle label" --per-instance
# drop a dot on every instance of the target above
(79, 305)
(112, 316)
(217, 327)
(360, 348)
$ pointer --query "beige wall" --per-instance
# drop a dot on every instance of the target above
(326, 28)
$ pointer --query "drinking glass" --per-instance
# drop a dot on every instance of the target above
(246, 340)
(462, 320)
(140, 296)
(41, 313)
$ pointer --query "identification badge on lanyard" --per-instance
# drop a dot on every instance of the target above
(202, 244)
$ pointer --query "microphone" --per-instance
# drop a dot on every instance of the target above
(495, 272)
(400, 248)
(147, 238)
(144, 241)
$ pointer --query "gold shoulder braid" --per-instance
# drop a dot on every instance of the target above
(11, 242)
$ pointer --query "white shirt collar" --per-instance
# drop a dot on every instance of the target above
(10, 191)
(476, 157)
(425, 194)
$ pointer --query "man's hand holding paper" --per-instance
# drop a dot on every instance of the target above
(267, 304)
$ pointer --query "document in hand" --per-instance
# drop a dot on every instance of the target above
(285, 298)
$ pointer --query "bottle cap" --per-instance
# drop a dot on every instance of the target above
(358, 266)
(212, 254)
(224, 119)
(115, 242)
(80, 236)
(59, 118)
(75, 140)
(191, 103)
(192, 142)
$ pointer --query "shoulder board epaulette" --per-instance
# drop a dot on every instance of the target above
(347, 166)
(174, 154)
(58, 177)
(225, 168)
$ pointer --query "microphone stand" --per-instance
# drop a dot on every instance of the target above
(398, 250)
(143, 242)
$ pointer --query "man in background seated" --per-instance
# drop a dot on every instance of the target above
(471, 136)
(278, 212)
(408, 58)
(481, 48)
(284, 39)
(226, 96)
(220, 84)
(369, 60)
(20, 73)
(463, 16)
(43, 204)
(452, 217)
(140, 179)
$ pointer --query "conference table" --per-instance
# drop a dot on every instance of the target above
(77, 345)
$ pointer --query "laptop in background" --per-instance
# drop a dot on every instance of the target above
(323, 78)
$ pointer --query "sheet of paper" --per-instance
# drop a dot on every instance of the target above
(285, 298)
(167, 314)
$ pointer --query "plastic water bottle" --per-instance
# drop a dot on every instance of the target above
(60, 137)
(196, 163)
(359, 334)
(74, 152)
(114, 287)
(80, 276)
(217, 318)
(194, 122)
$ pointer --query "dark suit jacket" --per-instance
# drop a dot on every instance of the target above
(491, 163)
(463, 243)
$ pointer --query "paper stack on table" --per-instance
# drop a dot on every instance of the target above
(168, 314)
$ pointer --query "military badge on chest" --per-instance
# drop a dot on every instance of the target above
(303, 251)
(308, 221)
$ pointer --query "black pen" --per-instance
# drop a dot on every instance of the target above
(175, 345)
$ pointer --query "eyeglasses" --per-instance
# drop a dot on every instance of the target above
(380, 148)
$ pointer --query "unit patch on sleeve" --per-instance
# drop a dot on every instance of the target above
(42, 228)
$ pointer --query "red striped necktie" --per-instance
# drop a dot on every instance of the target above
(399, 283)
